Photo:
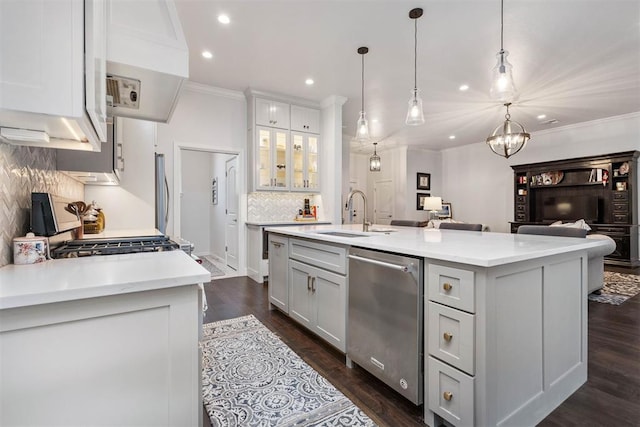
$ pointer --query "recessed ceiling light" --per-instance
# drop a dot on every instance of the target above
(309, 82)
(452, 137)
(464, 87)
(223, 19)
(542, 116)
(207, 54)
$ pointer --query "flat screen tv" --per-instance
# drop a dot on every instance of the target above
(570, 208)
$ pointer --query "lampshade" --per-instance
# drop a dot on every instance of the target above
(502, 86)
(432, 203)
(362, 126)
(415, 115)
(374, 160)
(508, 138)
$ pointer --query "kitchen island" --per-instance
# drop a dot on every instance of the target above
(505, 315)
(109, 338)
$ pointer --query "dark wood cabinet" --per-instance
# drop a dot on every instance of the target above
(602, 190)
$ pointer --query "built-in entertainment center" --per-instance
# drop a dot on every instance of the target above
(602, 190)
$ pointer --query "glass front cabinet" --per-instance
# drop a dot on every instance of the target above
(272, 152)
(304, 162)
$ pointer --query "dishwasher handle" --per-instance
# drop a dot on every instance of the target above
(403, 268)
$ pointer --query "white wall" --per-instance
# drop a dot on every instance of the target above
(131, 205)
(479, 184)
(209, 119)
(195, 200)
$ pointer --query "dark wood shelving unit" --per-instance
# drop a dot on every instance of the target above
(600, 189)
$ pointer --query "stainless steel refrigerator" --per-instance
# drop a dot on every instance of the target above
(162, 195)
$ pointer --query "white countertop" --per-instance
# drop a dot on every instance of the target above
(276, 223)
(485, 249)
(95, 276)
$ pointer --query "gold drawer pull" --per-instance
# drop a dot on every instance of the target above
(447, 395)
(447, 336)
(447, 286)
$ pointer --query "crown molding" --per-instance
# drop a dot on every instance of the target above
(212, 90)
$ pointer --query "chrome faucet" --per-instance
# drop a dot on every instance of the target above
(365, 224)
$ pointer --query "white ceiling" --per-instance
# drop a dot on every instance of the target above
(573, 60)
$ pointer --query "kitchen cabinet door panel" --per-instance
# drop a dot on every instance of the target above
(278, 272)
(329, 291)
(300, 302)
(272, 113)
(305, 158)
(305, 119)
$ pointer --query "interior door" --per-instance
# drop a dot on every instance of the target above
(383, 201)
(231, 228)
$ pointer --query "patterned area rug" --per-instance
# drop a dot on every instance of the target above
(215, 271)
(251, 378)
(618, 287)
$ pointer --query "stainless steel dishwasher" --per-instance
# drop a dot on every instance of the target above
(386, 317)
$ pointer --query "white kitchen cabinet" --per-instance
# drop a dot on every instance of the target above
(318, 289)
(272, 159)
(504, 345)
(272, 113)
(305, 119)
(318, 301)
(278, 272)
(45, 86)
(305, 161)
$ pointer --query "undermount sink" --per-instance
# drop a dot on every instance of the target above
(341, 234)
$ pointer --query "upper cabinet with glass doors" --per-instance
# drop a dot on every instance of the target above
(304, 162)
(285, 139)
(272, 153)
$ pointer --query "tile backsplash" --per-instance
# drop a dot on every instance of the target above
(265, 206)
(24, 170)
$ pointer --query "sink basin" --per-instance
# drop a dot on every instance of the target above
(382, 230)
(341, 234)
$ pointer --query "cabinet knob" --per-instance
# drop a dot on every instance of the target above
(447, 336)
(447, 395)
(447, 286)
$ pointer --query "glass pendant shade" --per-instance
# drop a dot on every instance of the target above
(508, 138)
(362, 128)
(415, 115)
(374, 160)
(502, 86)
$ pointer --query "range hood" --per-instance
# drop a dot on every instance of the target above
(147, 59)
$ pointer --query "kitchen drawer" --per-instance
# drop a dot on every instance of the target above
(450, 393)
(329, 257)
(620, 195)
(453, 287)
(450, 336)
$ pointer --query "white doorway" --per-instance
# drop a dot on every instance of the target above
(231, 220)
(203, 202)
(383, 200)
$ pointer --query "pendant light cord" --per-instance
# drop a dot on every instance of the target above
(415, 55)
(362, 92)
(501, 25)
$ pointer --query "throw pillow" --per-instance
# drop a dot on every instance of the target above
(581, 223)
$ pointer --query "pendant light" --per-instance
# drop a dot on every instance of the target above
(502, 86)
(374, 161)
(362, 127)
(415, 115)
(506, 142)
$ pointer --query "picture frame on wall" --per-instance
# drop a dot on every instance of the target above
(446, 211)
(423, 181)
(420, 200)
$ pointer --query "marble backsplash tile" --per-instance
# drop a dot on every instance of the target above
(24, 170)
(265, 206)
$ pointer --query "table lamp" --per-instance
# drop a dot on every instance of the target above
(433, 205)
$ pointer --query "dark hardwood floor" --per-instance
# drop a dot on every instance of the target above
(611, 396)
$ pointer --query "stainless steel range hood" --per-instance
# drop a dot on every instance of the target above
(147, 59)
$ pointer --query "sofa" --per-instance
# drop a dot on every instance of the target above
(595, 261)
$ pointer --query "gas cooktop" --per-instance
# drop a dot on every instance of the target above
(90, 247)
